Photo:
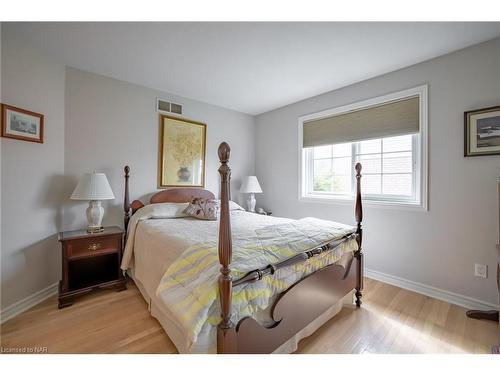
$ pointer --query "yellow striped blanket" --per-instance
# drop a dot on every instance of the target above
(189, 287)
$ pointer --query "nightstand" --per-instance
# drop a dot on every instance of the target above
(90, 261)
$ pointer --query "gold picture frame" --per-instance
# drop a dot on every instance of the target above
(181, 159)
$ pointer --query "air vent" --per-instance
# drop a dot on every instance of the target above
(164, 106)
(176, 108)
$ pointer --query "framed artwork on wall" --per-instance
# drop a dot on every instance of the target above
(21, 124)
(482, 132)
(181, 160)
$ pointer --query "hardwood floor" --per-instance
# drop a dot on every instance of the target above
(391, 320)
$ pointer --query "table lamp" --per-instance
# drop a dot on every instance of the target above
(250, 186)
(93, 187)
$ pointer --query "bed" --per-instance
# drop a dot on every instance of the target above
(306, 285)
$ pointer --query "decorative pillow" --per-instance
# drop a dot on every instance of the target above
(202, 208)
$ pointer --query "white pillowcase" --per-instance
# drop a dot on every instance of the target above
(164, 210)
(233, 206)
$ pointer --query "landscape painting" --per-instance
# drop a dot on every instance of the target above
(21, 124)
(488, 132)
(482, 132)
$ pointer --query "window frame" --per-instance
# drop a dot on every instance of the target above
(419, 200)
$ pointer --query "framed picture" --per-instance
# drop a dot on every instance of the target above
(21, 124)
(182, 152)
(482, 132)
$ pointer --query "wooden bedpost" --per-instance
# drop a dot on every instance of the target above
(359, 236)
(226, 339)
(126, 200)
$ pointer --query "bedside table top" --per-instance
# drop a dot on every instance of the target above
(82, 233)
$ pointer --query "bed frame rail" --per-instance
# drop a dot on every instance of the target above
(258, 274)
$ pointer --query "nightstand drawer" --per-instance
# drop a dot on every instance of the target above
(95, 246)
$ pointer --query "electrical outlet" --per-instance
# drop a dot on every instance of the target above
(481, 270)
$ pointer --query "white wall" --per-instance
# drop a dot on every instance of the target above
(31, 173)
(437, 247)
(111, 123)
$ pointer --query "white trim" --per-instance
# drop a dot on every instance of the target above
(424, 140)
(344, 200)
(427, 290)
(26, 303)
(422, 162)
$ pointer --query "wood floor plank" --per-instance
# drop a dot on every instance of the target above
(391, 320)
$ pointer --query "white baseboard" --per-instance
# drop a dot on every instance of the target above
(427, 290)
(26, 303)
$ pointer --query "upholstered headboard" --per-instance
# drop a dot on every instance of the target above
(175, 195)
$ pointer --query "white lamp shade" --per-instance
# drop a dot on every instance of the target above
(250, 185)
(93, 187)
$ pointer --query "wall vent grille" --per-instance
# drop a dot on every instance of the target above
(164, 106)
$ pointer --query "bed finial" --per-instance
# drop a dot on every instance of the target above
(224, 152)
(358, 168)
(359, 234)
(126, 200)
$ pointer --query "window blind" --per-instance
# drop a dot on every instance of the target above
(390, 119)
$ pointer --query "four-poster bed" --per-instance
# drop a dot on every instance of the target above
(298, 310)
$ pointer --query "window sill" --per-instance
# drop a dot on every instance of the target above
(366, 202)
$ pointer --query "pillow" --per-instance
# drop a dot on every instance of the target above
(202, 208)
(164, 210)
(233, 206)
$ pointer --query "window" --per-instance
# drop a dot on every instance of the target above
(389, 171)
(394, 165)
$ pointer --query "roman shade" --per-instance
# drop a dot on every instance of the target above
(390, 119)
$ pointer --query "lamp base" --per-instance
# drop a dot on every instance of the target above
(251, 202)
(95, 212)
(95, 230)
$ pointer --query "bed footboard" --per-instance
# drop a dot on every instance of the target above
(299, 305)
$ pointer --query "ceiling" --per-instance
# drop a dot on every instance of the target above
(249, 67)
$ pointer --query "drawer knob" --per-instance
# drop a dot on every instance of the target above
(95, 246)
